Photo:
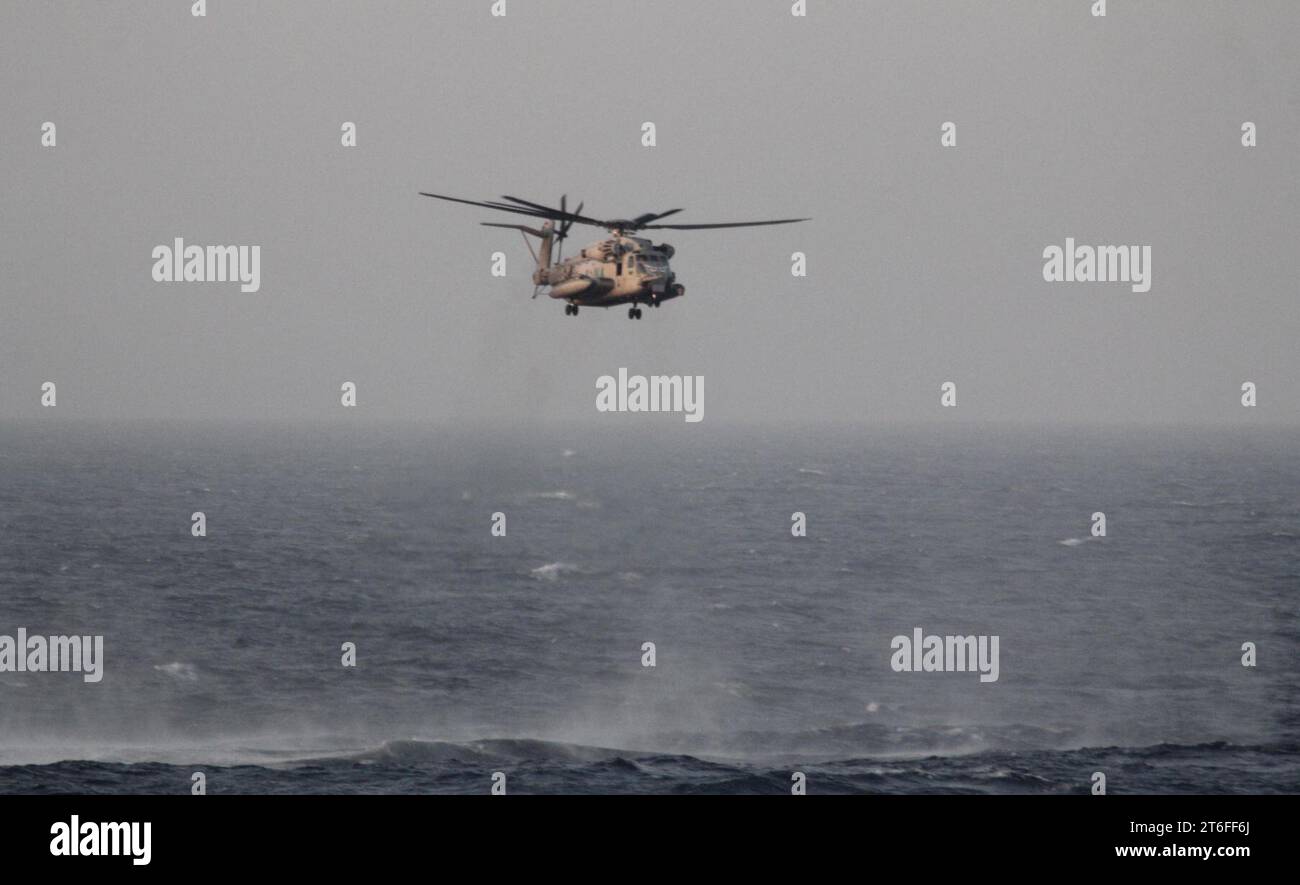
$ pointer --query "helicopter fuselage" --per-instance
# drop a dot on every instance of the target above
(618, 270)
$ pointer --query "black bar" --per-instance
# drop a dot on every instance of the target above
(336, 834)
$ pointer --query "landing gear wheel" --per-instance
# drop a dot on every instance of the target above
(632, 313)
(571, 310)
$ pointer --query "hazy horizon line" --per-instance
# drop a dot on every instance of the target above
(620, 424)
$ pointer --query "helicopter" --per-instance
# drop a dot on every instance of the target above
(623, 269)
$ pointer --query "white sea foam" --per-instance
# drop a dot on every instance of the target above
(552, 570)
(179, 671)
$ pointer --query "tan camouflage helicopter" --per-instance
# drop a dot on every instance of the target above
(623, 269)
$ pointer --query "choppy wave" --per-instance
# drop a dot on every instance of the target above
(541, 766)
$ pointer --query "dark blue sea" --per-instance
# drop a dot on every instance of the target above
(523, 654)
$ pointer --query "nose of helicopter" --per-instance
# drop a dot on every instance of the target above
(655, 282)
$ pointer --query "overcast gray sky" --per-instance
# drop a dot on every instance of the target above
(924, 263)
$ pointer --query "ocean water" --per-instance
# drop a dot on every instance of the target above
(523, 654)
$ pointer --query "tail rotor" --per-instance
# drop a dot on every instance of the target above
(563, 231)
(560, 233)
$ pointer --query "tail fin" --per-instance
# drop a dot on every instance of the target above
(548, 240)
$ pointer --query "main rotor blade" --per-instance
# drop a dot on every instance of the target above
(540, 212)
(729, 224)
(537, 210)
(529, 204)
(654, 216)
(519, 211)
(565, 218)
(556, 214)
